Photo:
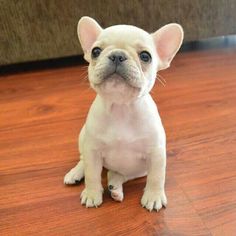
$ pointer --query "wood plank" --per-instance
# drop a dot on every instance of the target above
(228, 229)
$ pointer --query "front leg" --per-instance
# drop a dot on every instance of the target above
(92, 194)
(154, 194)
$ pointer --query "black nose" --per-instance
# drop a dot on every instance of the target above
(117, 57)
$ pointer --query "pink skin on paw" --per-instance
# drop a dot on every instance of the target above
(117, 195)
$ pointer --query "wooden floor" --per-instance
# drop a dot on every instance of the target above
(41, 114)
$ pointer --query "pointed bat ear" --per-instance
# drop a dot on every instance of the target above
(168, 40)
(88, 31)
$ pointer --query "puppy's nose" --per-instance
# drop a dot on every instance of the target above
(117, 57)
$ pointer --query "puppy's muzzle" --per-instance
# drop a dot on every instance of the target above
(117, 64)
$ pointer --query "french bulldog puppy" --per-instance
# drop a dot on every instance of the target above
(123, 131)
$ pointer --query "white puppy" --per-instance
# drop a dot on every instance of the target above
(123, 131)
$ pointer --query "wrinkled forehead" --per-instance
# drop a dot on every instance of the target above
(123, 36)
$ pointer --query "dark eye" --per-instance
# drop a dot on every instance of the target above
(145, 56)
(96, 52)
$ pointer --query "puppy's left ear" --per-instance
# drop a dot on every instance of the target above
(168, 40)
(88, 30)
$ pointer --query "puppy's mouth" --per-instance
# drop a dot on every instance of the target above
(119, 77)
(115, 76)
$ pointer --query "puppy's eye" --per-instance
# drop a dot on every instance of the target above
(145, 56)
(96, 52)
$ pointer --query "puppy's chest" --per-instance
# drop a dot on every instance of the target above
(124, 136)
(124, 147)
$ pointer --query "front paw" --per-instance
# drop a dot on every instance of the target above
(154, 200)
(91, 198)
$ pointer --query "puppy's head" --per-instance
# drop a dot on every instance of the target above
(123, 59)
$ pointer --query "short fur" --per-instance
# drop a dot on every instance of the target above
(123, 131)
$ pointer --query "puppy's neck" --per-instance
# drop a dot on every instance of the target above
(111, 105)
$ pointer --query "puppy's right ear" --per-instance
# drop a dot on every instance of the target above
(88, 30)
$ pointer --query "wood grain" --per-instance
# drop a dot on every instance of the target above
(41, 114)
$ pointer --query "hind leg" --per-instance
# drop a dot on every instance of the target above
(75, 174)
(115, 184)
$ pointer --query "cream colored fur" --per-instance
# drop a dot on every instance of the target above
(123, 131)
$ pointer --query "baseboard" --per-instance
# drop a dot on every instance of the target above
(205, 44)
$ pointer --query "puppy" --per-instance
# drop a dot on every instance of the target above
(123, 131)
